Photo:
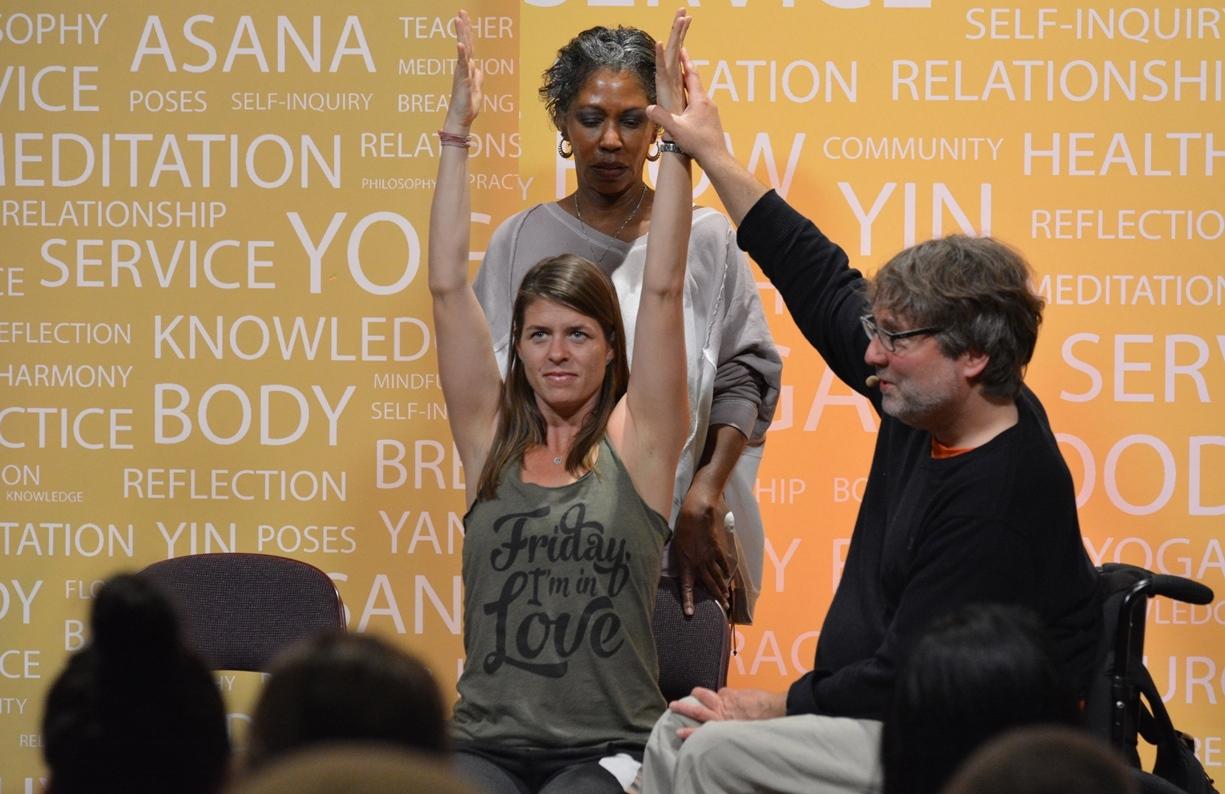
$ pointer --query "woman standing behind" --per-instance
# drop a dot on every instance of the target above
(596, 92)
(576, 458)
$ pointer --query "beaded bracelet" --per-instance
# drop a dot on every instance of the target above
(453, 139)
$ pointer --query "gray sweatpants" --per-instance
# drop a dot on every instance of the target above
(804, 754)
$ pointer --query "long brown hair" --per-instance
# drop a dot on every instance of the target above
(576, 283)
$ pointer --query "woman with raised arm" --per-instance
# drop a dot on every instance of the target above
(569, 464)
(596, 93)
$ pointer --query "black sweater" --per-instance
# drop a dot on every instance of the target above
(996, 524)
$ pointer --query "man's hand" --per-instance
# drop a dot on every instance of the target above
(697, 549)
(729, 704)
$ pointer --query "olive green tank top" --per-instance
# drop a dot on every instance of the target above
(559, 590)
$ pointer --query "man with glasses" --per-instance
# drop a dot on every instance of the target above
(968, 497)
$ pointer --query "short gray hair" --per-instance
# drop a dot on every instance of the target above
(976, 289)
(620, 49)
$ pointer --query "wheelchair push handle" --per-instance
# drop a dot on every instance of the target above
(1179, 589)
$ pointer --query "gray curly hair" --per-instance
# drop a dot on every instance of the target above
(620, 49)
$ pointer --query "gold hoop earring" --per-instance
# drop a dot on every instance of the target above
(562, 151)
(656, 156)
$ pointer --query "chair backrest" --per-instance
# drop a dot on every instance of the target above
(239, 610)
(693, 651)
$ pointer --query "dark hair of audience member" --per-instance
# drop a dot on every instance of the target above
(974, 673)
(349, 767)
(346, 687)
(1044, 760)
(134, 711)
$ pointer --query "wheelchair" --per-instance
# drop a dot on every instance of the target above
(1123, 704)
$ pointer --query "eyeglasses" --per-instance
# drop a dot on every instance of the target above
(889, 339)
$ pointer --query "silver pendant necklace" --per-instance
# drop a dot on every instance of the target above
(557, 460)
(615, 235)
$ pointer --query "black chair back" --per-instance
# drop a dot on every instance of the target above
(239, 610)
(693, 651)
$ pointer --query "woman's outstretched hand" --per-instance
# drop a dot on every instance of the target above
(669, 73)
(696, 128)
(466, 83)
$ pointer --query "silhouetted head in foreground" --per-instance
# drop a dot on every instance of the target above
(975, 673)
(1044, 760)
(134, 711)
(346, 687)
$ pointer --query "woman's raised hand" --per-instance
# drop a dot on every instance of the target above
(669, 73)
(466, 83)
(697, 130)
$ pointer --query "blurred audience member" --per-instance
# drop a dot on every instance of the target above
(975, 673)
(341, 687)
(1044, 760)
(134, 711)
(354, 769)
